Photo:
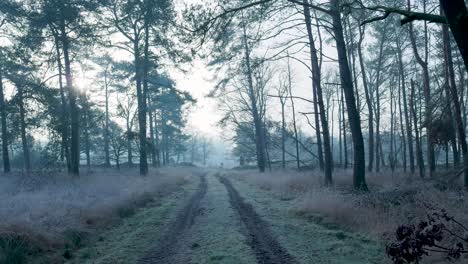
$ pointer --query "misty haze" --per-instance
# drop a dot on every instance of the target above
(233, 132)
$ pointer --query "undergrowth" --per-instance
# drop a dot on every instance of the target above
(394, 199)
(45, 218)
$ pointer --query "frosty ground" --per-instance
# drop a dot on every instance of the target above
(190, 215)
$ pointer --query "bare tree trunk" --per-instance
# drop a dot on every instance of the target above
(296, 140)
(379, 154)
(267, 153)
(64, 115)
(283, 134)
(318, 134)
(106, 128)
(450, 81)
(318, 96)
(129, 144)
(463, 97)
(343, 130)
(74, 110)
(352, 58)
(340, 130)
(370, 109)
(448, 111)
(157, 146)
(457, 17)
(150, 115)
(419, 154)
(153, 147)
(24, 139)
(359, 170)
(117, 162)
(409, 135)
(86, 131)
(456, 102)
(3, 116)
(427, 92)
(163, 138)
(402, 129)
(391, 159)
(259, 138)
(141, 76)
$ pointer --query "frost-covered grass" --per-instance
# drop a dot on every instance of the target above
(136, 235)
(304, 238)
(54, 212)
(394, 199)
(218, 231)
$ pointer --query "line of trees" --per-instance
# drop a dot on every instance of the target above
(393, 76)
(50, 115)
(401, 80)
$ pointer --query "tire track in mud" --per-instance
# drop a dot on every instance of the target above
(167, 244)
(259, 236)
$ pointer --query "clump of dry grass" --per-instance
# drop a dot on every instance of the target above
(283, 183)
(43, 213)
(394, 199)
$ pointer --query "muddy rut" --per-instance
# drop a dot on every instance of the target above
(167, 245)
(176, 245)
(259, 236)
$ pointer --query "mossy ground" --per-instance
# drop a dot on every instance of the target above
(306, 240)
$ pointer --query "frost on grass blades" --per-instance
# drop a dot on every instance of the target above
(333, 120)
(54, 213)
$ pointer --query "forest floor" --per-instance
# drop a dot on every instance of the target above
(217, 218)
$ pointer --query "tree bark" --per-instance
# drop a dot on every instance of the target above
(156, 142)
(3, 116)
(419, 154)
(24, 139)
(318, 96)
(296, 140)
(318, 134)
(259, 138)
(359, 170)
(456, 14)
(153, 147)
(427, 94)
(379, 154)
(402, 129)
(391, 159)
(370, 109)
(343, 130)
(74, 110)
(283, 134)
(409, 135)
(456, 103)
(86, 131)
(450, 81)
(106, 128)
(129, 143)
(141, 72)
(64, 115)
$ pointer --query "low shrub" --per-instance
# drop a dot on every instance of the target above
(439, 233)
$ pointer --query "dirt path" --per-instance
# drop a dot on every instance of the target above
(224, 221)
(267, 249)
(166, 247)
(222, 214)
(304, 238)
